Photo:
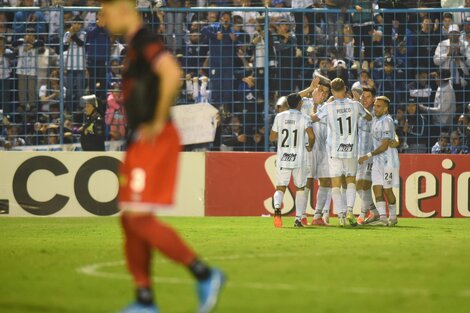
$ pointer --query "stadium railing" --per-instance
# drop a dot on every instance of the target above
(51, 57)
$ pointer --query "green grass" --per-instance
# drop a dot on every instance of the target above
(420, 266)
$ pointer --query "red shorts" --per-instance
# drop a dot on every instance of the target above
(148, 174)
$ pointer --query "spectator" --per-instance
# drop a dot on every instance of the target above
(335, 23)
(364, 81)
(454, 55)
(259, 57)
(26, 69)
(420, 88)
(464, 128)
(427, 40)
(401, 128)
(6, 63)
(234, 139)
(417, 136)
(98, 50)
(276, 17)
(324, 67)
(93, 130)
(29, 19)
(285, 45)
(340, 70)
(115, 117)
(305, 23)
(390, 81)
(444, 101)
(174, 32)
(5, 31)
(456, 147)
(447, 22)
(74, 44)
(465, 36)
(222, 42)
(90, 17)
(441, 146)
(195, 54)
(363, 28)
(248, 18)
(114, 74)
(49, 93)
(460, 17)
(52, 18)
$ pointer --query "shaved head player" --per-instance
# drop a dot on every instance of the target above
(151, 80)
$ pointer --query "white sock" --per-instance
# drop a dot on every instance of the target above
(322, 195)
(326, 207)
(381, 208)
(366, 201)
(350, 196)
(278, 196)
(306, 195)
(204, 88)
(337, 201)
(189, 87)
(393, 210)
(344, 199)
(300, 204)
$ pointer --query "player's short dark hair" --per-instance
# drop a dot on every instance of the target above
(372, 90)
(384, 99)
(324, 81)
(337, 84)
(293, 100)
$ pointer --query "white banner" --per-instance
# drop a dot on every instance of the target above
(72, 184)
(196, 123)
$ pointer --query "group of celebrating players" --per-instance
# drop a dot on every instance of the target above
(345, 141)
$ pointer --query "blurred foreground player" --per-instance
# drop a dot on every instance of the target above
(147, 179)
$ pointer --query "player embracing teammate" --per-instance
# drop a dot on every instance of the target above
(344, 129)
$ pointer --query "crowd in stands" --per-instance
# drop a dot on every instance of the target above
(421, 61)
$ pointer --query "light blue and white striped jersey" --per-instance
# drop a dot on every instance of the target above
(75, 56)
(342, 116)
(320, 129)
(384, 128)
(291, 126)
(364, 142)
(307, 109)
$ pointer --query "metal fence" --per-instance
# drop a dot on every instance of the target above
(241, 60)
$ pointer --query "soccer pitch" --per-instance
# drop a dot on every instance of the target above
(76, 265)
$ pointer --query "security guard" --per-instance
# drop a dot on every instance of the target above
(93, 130)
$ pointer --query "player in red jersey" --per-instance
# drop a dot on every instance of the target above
(151, 81)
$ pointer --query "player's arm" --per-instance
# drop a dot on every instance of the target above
(273, 136)
(170, 74)
(385, 143)
(311, 88)
(368, 116)
(311, 138)
(395, 143)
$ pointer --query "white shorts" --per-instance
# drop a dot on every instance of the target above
(309, 168)
(321, 167)
(298, 174)
(364, 171)
(340, 167)
(388, 177)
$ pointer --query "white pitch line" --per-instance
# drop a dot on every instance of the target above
(95, 270)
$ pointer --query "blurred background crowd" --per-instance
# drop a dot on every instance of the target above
(53, 55)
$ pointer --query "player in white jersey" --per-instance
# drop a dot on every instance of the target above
(364, 170)
(386, 167)
(319, 91)
(289, 130)
(342, 117)
(320, 157)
